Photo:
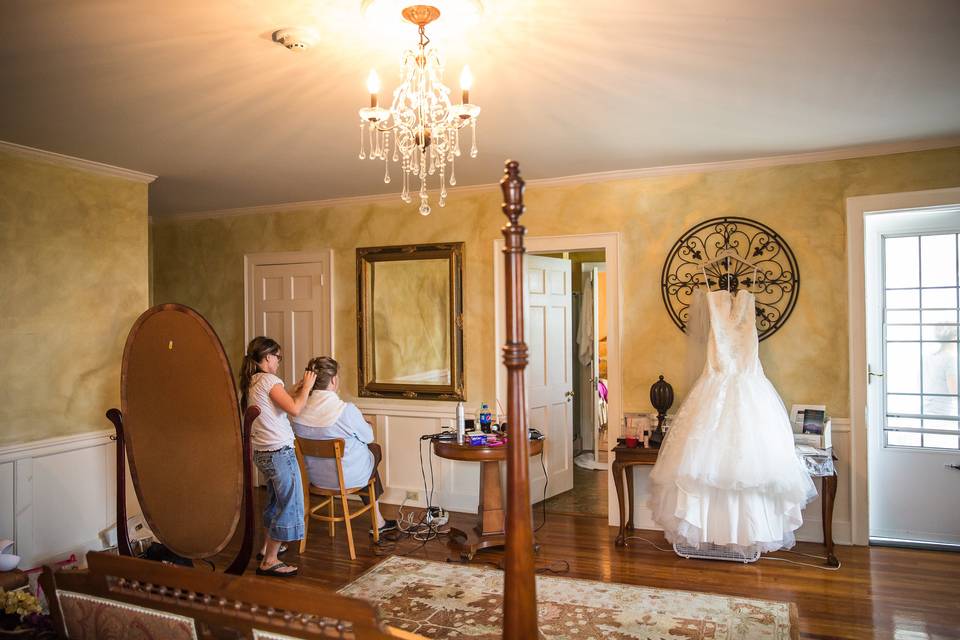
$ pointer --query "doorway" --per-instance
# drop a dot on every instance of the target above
(912, 269)
(585, 349)
(575, 423)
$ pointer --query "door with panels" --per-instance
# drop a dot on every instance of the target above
(549, 381)
(289, 299)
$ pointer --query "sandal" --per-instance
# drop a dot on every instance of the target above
(282, 550)
(275, 571)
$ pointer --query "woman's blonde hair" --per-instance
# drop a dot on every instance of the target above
(326, 368)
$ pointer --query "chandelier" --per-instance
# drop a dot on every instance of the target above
(421, 129)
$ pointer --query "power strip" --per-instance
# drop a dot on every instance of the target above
(436, 515)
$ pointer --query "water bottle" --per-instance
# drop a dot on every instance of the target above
(461, 424)
(484, 418)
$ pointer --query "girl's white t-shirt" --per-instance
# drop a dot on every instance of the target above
(271, 430)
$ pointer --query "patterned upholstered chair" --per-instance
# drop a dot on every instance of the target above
(119, 598)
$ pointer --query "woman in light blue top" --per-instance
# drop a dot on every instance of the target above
(327, 417)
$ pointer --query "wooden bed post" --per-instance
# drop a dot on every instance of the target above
(520, 589)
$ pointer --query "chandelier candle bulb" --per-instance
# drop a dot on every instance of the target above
(373, 86)
(466, 81)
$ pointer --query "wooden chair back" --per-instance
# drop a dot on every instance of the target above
(218, 605)
(322, 448)
(334, 448)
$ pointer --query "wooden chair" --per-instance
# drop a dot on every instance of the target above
(119, 597)
(332, 449)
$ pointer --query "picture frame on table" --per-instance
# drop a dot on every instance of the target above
(797, 413)
(814, 421)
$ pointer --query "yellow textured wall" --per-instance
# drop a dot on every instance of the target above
(200, 262)
(74, 251)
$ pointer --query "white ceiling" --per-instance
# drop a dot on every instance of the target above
(197, 93)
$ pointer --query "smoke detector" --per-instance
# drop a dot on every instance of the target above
(297, 38)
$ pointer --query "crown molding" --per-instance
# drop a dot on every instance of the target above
(809, 157)
(843, 153)
(89, 166)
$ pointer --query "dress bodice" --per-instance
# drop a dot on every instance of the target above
(732, 345)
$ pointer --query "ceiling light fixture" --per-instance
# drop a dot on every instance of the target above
(297, 38)
(424, 124)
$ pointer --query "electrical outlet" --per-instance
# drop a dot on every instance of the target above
(413, 495)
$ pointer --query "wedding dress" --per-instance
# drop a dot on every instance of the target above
(727, 472)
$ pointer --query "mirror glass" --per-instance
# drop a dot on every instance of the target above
(411, 306)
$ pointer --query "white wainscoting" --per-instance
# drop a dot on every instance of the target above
(812, 529)
(57, 495)
(398, 426)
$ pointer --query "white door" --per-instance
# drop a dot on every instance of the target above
(291, 305)
(549, 382)
(912, 278)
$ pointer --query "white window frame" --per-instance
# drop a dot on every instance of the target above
(858, 208)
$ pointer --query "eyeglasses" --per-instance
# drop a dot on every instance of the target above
(277, 356)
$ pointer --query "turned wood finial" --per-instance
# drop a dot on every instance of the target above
(520, 587)
(512, 186)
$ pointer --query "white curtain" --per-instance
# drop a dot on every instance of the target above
(585, 331)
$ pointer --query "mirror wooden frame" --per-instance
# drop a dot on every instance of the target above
(368, 385)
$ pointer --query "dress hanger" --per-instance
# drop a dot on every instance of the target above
(726, 255)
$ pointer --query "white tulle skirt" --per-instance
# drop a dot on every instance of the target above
(727, 472)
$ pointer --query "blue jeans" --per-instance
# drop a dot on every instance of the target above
(283, 515)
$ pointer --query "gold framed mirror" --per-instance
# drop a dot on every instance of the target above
(410, 329)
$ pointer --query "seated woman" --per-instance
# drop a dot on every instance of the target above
(327, 417)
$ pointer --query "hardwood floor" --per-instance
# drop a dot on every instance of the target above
(877, 593)
(588, 496)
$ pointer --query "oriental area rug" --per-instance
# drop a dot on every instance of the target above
(440, 600)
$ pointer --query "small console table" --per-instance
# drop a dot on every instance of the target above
(624, 457)
(489, 531)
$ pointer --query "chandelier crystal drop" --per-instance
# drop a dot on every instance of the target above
(421, 129)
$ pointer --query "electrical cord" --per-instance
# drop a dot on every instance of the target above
(650, 542)
(551, 569)
(805, 564)
(543, 502)
(409, 526)
(433, 484)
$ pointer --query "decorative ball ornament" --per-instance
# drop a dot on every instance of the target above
(661, 397)
(732, 253)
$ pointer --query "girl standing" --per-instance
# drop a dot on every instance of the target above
(273, 452)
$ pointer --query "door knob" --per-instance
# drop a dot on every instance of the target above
(569, 395)
(872, 374)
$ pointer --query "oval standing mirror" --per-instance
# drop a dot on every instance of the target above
(181, 421)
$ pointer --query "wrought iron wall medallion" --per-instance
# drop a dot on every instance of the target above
(733, 253)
